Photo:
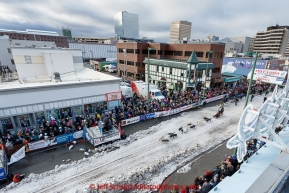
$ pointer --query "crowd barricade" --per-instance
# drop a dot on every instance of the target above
(57, 140)
(167, 113)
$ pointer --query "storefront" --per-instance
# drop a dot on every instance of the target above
(25, 109)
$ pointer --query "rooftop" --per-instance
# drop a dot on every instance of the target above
(31, 31)
(84, 75)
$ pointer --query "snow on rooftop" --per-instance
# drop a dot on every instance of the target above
(142, 157)
(83, 75)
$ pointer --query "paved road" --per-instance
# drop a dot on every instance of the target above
(45, 161)
(207, 161)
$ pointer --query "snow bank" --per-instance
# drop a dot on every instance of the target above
(142, 158)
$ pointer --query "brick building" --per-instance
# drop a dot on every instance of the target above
(132, 60)
(36, 35)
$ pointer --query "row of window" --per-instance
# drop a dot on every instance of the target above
(22, 35)
(168, 52)
(131, 63)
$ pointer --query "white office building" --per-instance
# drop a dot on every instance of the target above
(126, 25)
(51, 81)
(6, 58)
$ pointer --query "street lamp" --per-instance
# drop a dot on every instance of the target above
(124, 55)
(209, 52)
(148, 68)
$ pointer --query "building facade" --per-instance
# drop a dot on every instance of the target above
(62, 87)
(66, 32)
(233, 46)
(36, 35)
(180, 30)
(126, 25)
(272, 41)
(179, 75)
(90, 51)
(251, 44)
(131, 62)
(6, 57)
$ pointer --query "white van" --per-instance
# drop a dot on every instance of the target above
(126, 91)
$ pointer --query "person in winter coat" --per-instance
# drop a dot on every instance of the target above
(206, 186)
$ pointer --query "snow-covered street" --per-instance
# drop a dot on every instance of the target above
(142, 158)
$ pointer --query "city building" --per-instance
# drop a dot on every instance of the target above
(180, 30)
(179, 74)
(6, 58)
(52, 82)
(233, 46)
(131, 57)
(91, 40)
(66, 32)
(212, 38)
(95, 51)
(272, 41)
(251, 44)
(245, 43)
(36, 35)
(126, 25)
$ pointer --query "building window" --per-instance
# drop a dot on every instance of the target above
(200, 54)
(144, 51)
(187, 53)
(9, 50)
(163, 69)
(130, 63)
(160, 52)
(178, 53)
(182, 74)
(137, 63)
(153, 52)
(28, 59)
(157, 68)
(131, 75)
(137, 51)
(12, 62)
(130, 51)
(171, 70)
(121, 61)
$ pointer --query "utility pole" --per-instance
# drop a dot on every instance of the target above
(148, 68)
(124, 72)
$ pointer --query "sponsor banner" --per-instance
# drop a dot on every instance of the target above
(142, 117)
(187, 107)
(101, 140)
(17, 155)
(112, 104)
(264, 72)
(89, 138)
(150, 116)
(2, 173)
(68, 137)
(130, 121)
(241, 66)
(214, 98)
(41, 144)
(113, 96)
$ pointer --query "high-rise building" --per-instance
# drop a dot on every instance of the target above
(272, 41)
(251, 44)
(180, 30)
(126, 25)
(66, 32)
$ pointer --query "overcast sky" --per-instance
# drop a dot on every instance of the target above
(223, 18)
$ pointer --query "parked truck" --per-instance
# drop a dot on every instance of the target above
(140, 88)
(110, 68)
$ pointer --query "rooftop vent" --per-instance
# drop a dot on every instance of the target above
(57, 76)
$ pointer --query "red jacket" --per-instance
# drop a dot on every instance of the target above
(16, 178)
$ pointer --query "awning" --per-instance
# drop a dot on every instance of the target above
(204, 66)
(231, 77)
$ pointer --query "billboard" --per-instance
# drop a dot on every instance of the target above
(241, 65)
(269, 76)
